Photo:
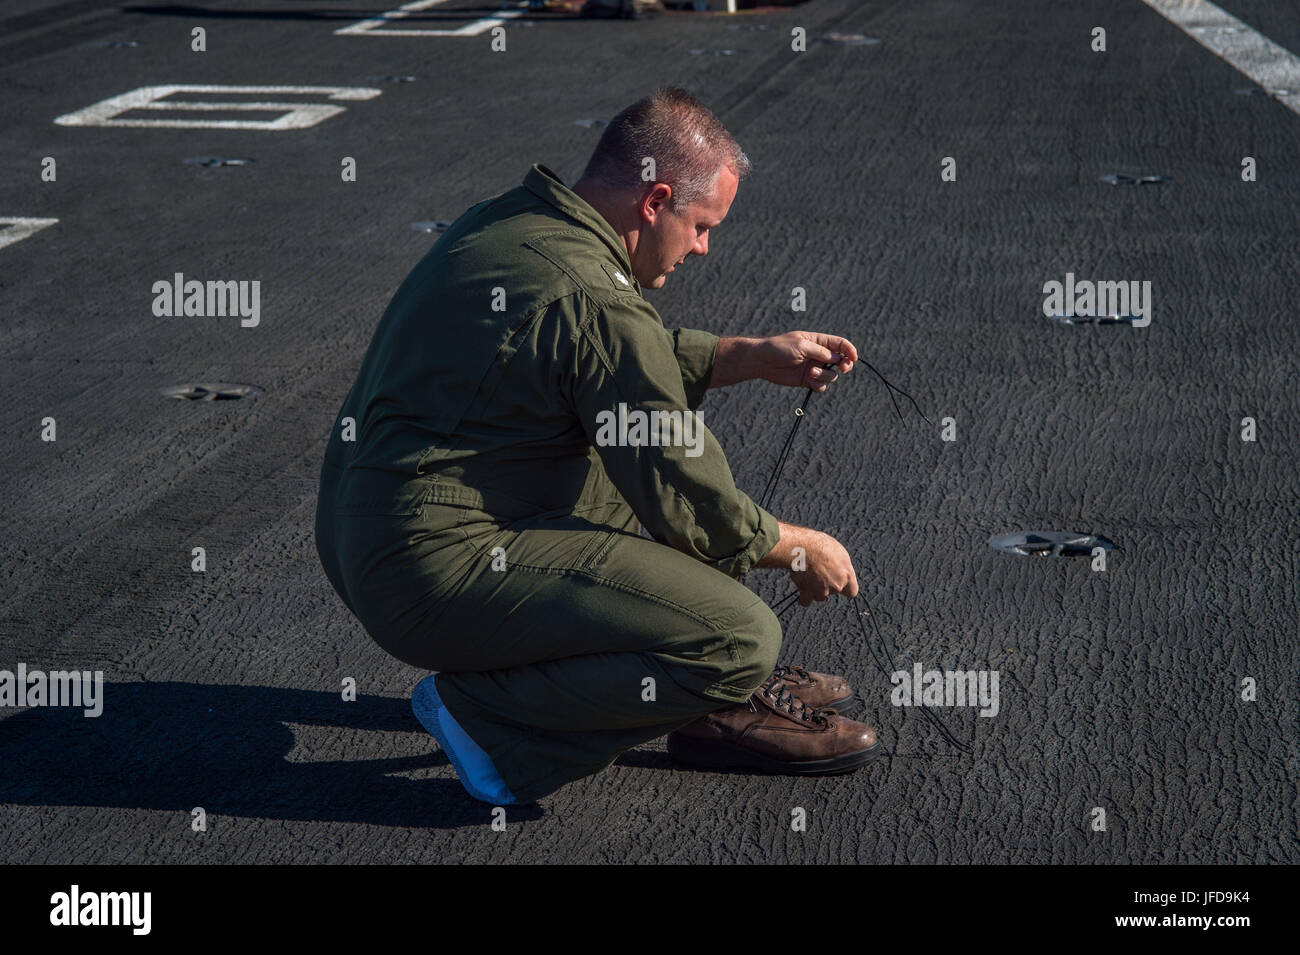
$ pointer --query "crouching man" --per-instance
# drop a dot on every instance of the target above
(479, 520)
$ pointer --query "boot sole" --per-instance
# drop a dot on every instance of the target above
(717, 754)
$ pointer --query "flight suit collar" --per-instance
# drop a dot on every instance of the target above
(547, 185)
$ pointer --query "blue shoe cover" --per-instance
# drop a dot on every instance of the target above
(473, 766)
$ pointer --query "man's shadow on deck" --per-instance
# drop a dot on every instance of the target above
(177, 746)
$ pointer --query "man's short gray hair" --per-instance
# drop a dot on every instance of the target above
(688, 143)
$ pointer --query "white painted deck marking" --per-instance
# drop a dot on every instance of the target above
(1274, 68)
(16, 228)
(376, 26)
(295, 115)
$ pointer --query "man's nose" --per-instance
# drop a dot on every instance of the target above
(702, 245)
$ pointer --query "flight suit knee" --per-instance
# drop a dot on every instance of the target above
(757, 634)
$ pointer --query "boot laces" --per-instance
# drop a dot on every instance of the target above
(783, 699)
(782, 672)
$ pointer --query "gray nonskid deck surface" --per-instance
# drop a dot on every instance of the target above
(1120, 690)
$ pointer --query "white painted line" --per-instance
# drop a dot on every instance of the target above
(375, 27)
(18, 228)
(1274, 68)
(367, 26)
(296, 115)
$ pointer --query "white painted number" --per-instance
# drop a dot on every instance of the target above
(153, 99)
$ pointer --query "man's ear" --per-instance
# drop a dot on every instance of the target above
(655, 202)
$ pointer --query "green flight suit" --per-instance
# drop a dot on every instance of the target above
(480, 522)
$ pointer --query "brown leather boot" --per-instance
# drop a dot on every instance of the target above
(775, 732)
(815, 689)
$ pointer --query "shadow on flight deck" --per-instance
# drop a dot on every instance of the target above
(177, 746)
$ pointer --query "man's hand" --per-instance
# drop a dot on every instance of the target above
(818, 563)
(795, 359)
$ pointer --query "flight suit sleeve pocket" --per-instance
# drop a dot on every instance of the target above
(696, 353)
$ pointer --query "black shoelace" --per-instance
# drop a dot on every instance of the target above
(783, 699)
(782, 672)
(774, 478)
(881, 653)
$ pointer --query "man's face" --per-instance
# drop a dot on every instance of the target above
(667, 237)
